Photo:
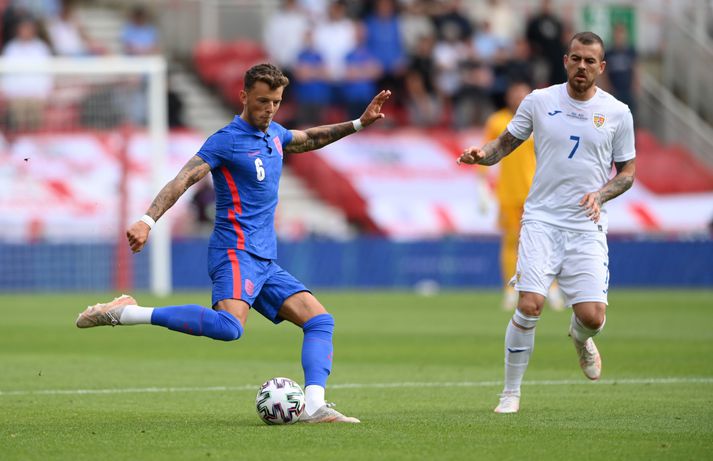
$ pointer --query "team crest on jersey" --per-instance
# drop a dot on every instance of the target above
(599, 119)
(278, 144)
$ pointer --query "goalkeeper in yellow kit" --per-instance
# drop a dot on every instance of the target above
(513, 185)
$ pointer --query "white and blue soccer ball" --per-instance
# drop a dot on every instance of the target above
(280, 401)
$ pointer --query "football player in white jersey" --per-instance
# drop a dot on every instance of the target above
(580, 131)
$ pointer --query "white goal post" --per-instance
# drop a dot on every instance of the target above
(151, 72)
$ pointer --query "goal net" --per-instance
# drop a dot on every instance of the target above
(84, 147)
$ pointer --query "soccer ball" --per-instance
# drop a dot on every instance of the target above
(280, 401)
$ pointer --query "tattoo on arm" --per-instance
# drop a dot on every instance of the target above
(620, 183)
(320, 136)
(498, 148)
(191, 173)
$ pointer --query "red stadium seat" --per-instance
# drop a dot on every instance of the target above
(669, 169)
(208, 58)
(244, 51)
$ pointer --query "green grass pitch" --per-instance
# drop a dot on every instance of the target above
(422, 373)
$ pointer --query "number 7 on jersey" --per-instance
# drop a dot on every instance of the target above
(576, 145)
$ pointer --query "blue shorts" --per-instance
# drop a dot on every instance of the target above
(261, 283)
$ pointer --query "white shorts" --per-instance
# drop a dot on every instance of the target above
(579, 261)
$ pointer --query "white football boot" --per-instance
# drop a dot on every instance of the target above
(104, 313)
(589, 359)
(509, 403)
(327, 414)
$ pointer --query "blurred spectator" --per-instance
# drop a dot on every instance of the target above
(315, 9)
(139, 35)
(41, 9)
(288, 21)
(414, 24)
(513, 184)
(422, 62)
(544, 34)
(175, 105)
(518, 65)
(11, 17)
(450, 20)
(485, 43)
(498, 13)
(312, 88)
(362, 71)
(334, 38)
(472, 102)
(26, 93)
(510, 65)
(67, 35)
(446, 56)
(383, 39)
(423, 108)
(621, 69)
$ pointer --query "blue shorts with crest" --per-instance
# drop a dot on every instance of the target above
(261, 283)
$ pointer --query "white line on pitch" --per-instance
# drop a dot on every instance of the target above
(251, 387)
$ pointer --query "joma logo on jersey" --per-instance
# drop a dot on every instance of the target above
(599, 120)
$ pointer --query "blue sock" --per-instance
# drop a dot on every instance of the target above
(317, 349)
(198, 321)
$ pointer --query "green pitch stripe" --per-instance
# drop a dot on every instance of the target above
(252, 387)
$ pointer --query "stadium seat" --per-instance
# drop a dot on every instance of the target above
(244, 51)
(208, 58)
(668, 169)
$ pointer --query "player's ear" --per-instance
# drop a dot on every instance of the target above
(243, 97)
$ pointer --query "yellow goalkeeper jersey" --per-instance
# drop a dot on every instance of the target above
(518, 168)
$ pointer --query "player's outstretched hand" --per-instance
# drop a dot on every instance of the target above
(592, 203)
(373, 112)
(137, 234)
(471, 156)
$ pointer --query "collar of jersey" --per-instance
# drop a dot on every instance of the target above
(242, 125)
(576, 102)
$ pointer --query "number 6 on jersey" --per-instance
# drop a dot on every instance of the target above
(259, 169)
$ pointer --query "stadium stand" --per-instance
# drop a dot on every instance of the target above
(669, 169)
(400, 182)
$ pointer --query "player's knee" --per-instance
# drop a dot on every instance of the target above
(320, 323)
(594, 317)
(593, 321)
(226, 327)
(530, 304)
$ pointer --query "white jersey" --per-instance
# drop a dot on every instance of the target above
(576, 143)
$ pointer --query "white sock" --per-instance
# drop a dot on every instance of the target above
(519, 344)
(136, 315)
(314, 398)
(582, 333)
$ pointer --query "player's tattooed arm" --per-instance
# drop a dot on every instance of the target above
(320, 136)
(492, 152)
(624, 179)
(314, 138)
(192, 172)
(620, 183)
